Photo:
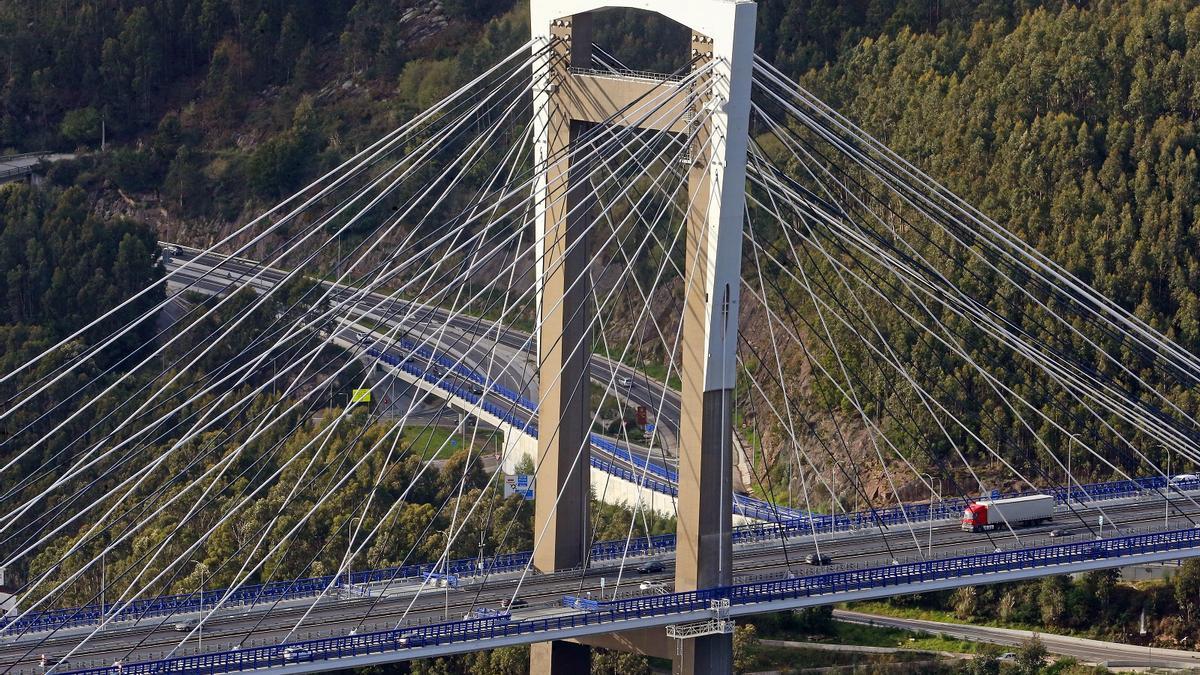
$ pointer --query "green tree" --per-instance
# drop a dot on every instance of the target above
(81, 125)
(185, 185)
(745, 647)
(1186, 584)
(610, 662)
(985, 662)
(1052, 598)
(1031, 657)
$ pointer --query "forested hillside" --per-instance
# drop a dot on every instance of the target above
(1075, 124)
(1077, 128)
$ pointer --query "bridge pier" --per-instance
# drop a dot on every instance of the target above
(563, 479)
(560, 657)
(568, 98)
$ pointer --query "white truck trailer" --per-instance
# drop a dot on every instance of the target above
(989, 514)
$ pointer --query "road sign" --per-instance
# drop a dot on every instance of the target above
(361, 396)
(520, 484)
(649, 428)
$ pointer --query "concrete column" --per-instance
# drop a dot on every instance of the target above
(564, 345)
(559, 658)
(704, 548)
(716, 183)
(724, 36)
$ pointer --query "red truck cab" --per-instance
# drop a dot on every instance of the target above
(974, 517)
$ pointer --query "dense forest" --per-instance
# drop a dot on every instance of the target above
(1075, 124)
(1076, 128)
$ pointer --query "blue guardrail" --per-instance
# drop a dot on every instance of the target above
(254, 594)
(614, 612)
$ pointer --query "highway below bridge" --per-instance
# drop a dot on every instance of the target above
(504, 356)
(408, 604)
(383, 616)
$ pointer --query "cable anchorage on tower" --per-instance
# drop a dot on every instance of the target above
(718, 624)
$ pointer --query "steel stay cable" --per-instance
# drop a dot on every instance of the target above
(259, 302)
(1088, 375)
(925, 395)
(955, 347)
(429, 141)
(894, 359)
(1071, 328)
(789, 422)
(804, 347)
(614, 230)
(894, 363)
(1052, 370)
(575, 460)
(576, 456)
(989, 226)
(368, 152)
(635, 212)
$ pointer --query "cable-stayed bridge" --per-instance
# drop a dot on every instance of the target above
(560, 236)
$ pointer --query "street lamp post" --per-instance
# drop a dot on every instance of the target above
(929, 545)
(1167, 492)
(1074, 438)
(349, 537)
(202, 568)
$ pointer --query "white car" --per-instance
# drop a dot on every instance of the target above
(625, 381)
(1182, 478)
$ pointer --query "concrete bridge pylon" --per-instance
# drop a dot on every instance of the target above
(570, 98)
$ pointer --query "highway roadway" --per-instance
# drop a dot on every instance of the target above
(16, 167)
(401, 602)
(505, 355)
(1098, 652)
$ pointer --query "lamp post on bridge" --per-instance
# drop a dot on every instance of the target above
(1167, 492)
(1074, 438)
(203, 569)
(929, 545)
(349, 538)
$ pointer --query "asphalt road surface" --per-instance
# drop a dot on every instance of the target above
(403, 605)
(1088, 651)
(507, 356)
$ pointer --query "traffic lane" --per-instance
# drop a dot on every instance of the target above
(335, 617)
(1091, 651)
(642, 393)
(779, 559)
(646, 392)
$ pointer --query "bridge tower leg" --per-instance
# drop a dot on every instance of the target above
(704, 544)
(563, 486)
(566, 101)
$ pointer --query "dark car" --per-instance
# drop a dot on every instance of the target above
(817, 559)
(652, 567)
(1059, 533)
(514, 604)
